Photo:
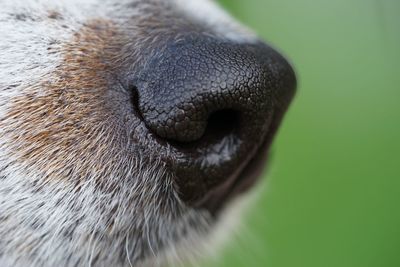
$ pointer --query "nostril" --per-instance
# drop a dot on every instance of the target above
(135, 101)
(220, 124)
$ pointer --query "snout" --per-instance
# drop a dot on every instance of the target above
(216, 105)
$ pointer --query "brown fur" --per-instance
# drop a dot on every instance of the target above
(59, 118)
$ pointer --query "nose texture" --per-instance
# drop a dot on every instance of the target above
(216, 104)
(193, 83)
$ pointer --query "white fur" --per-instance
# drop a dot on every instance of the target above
(210, 13)
(24, 58)
(48, 223)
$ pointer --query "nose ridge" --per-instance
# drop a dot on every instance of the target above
(191, 79)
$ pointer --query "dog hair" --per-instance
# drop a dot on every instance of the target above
(75, 187)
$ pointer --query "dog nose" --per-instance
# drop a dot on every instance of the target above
(216, 102)
(202, 84)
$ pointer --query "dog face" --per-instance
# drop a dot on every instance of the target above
(128, 127)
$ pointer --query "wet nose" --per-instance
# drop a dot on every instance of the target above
(195, 85)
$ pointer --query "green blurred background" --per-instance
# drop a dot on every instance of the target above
(332, 196)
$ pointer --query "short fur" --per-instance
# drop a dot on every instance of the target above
(73, 192)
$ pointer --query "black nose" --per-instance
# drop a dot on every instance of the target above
(190, 80)
(213, 96)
